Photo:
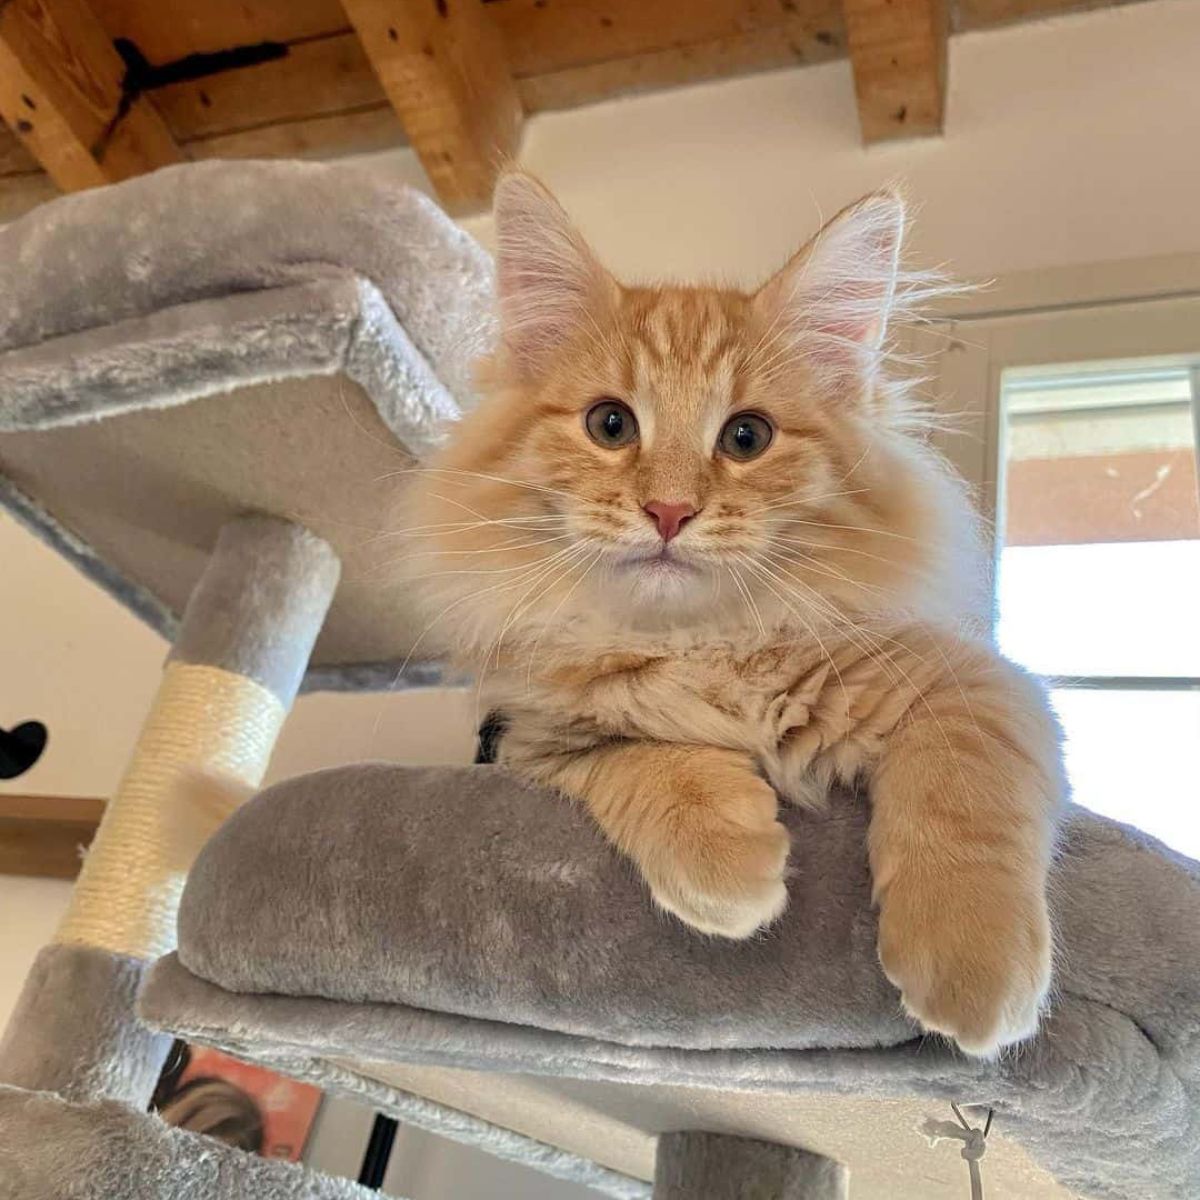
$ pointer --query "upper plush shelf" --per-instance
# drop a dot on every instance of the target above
(219, 338)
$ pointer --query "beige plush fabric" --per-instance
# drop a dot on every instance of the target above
(149, 492)
(616, 1125)
(217, 338)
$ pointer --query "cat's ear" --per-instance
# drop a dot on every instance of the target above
(546, 275)
(834, 297)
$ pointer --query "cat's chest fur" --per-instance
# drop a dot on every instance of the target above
(811, 712)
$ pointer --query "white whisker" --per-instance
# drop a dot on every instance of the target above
(806, 562)
(763, 572)
(848, 528)
(556, 568)
(786, 502)
(749, 599)
(502, 548)
(458, 471)
(830, 548)
(587, 570)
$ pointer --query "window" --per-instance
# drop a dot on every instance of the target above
(1098, 581)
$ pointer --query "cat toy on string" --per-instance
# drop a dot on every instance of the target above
(974, 1142)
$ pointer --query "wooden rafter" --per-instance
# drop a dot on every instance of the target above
(60, 92)
(898, 53)
(324, 96)
(443, 68)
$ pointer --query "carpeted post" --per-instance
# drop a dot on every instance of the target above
(717, 1166)
(237, 664)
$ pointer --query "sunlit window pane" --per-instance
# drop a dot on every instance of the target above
(1109, 608)
(1100, 567)
(1132, 756)
(1099, 578)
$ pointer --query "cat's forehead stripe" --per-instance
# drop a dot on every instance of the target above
(684, 337)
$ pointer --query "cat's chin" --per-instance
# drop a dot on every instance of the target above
(670, 589)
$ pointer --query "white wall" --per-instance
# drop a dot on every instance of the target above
(1067, 142)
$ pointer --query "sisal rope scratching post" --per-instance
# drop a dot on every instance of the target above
(241, 653)
(127, 894)
(718, 1166)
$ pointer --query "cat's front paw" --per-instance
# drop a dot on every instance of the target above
(971, 957)
(722, 869)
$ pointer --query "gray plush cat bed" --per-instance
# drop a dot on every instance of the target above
(211, 381)
(366, 949)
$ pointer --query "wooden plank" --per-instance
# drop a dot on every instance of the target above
(898, 53)
(60, 86)
(723, 58)
(442, 66)
(20, 193)
(989, 14)
(332, 136)
(817, 27)
(325, 99)
(44, 835)
(333, 74)
(543, 36)
(14, 158)
(165, 30)
(316, 78)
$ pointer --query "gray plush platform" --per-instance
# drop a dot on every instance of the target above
(524, 945)
(163, 369)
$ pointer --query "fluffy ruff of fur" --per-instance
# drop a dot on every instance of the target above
(812, 622)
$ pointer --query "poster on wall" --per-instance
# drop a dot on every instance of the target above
(239, 1103)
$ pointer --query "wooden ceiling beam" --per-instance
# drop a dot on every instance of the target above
(898, 53)
(60, 92)
(443, 68)
(314, 79)
(324, 97)
(14, 158)
(165, 30)
(697, 62)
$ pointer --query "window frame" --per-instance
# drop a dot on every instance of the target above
(1108, 313)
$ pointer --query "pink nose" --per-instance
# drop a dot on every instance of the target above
(670, 516)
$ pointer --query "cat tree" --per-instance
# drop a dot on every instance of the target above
(211, 381)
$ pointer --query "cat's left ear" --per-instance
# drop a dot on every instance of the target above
(834, 297)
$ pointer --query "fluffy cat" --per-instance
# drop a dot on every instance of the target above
(696, 549)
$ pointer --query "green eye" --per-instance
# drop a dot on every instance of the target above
(611, 424)
(745, 436)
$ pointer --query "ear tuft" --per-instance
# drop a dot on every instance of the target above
(546, 274)
(835, 297)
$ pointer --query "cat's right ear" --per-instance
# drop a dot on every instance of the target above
(546, 276)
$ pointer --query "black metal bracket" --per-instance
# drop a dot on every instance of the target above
(379, 1152)
(143, 76)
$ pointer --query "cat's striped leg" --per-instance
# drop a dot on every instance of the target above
(698, 821)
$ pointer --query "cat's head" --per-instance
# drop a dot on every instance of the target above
(684, 456)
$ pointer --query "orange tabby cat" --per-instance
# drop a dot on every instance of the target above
(696, 549)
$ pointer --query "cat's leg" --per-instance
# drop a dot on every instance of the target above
(698, 821)
(965, 798)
